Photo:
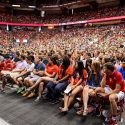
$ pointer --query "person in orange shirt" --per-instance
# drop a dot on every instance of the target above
(78, 80)
(56, 87)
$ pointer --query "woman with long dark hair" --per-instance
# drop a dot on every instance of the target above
(77, 82)
(56, 87)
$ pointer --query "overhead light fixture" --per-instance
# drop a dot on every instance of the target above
(51, 6)
(15, 5)
(32, 6)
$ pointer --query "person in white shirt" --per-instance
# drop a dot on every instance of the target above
(10, 75)
(26, 73)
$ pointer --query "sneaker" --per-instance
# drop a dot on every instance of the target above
(106, 113)
(38, 99)
(76, 105)
(55, 102)
(15, 86)
(107, 121)
(20, 90)
(29, 89)
(2, 91)
(45, 97)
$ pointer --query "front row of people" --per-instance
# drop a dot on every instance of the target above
(68, 81)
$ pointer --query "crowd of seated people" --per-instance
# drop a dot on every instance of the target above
(69, 64)
(8, 38)
(5, 38)
(21, 34)
(83, 38)
(83, 62)
(78, 38)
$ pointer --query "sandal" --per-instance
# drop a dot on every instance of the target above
(85, 112)
(32, 94)
(26, 94)
(63, 110)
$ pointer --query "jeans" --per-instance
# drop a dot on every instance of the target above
(56, 89)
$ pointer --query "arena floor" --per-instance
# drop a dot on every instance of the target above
(17, 110)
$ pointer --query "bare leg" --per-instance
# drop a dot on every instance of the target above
(20, 81)
(85, 97)
(25, 82)
(40, 89)
(30, 83)
(66, 99)
(39, 81)
(73, 94)
(113, 104)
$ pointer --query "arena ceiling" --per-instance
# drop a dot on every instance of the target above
(57, 5)
(55, 2)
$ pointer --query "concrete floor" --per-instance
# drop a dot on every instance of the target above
(18, 110)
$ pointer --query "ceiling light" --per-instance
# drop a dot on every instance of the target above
(15, 5)
(32, 6)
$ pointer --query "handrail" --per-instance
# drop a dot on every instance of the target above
(68, 23)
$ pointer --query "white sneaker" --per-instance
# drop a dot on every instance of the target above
(37, 99)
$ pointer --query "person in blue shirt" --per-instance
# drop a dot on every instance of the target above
(93, 82)
(36, 74)
(94, 75)
(121, 69)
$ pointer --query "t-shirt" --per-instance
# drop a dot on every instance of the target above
(21, 65)
(77, 76)
(40, 66)
(30, 67)
(122, 72)
(51, 69)
(115, 78)
(69, 71)
(92, 80)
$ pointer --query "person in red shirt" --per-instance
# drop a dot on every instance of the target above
(112, 86)
(56, 87)
(77, 82)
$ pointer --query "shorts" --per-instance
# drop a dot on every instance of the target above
(23, 76)
(33, 78)
(120, 95)
(107, 90)
(12, 74)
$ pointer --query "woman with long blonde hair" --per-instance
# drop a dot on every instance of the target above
(92, 83)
